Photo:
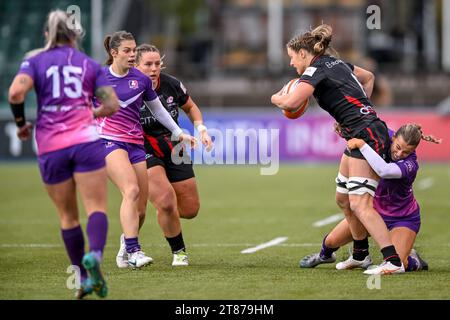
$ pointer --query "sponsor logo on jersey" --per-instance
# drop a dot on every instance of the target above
(134, 84)
(169, 99)
(409, 166)
(25, 64)
(333, 63)
(309, 71)
(109, 144)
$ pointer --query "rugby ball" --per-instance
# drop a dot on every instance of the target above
(289, 87)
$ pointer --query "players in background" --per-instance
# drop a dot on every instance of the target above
(343, 91)
(172, 188)
(65, 81)
(394, 200)
(124, 143)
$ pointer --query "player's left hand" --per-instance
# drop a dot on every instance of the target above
(206, 140)
(355, 143)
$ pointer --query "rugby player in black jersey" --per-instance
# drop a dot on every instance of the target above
(172, 187)
(343, 90)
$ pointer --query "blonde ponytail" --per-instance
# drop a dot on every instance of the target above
(59, 32)
(316, 42)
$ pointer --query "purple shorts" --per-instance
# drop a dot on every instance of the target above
(58, 166)
(136, 152)
(411, 221)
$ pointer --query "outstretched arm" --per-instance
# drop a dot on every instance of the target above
(195, 115)
(166, 120)
(382, 168)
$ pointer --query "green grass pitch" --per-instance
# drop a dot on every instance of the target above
(239, 209)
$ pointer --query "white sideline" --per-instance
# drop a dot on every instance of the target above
(264, 245)
(329, 220)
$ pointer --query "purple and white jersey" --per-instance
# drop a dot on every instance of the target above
(131, 89)
(395, 197)
(65, 81)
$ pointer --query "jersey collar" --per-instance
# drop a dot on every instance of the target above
(315, 58)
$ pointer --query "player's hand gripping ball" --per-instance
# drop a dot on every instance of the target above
(289, 87)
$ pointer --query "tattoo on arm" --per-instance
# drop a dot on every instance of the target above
(104, 94)
(23, 81)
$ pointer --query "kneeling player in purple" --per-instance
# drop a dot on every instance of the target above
(65, 80)
(394, 201)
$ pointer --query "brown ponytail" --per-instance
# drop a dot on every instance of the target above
(316, 42)
(106, 42)
(412, 134)
(112, 42)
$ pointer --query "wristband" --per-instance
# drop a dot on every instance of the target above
(201, 127)
(18, 110)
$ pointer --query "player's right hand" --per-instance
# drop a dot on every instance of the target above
(24, 132)
(188, 139)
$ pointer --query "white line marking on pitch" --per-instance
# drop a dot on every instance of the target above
(46, 245)
(425, 183)
(264, 245)
(330, 219)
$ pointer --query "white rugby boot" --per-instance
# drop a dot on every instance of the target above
(180, 259)
(386, 268)
(138, 259)
(122, 255)
(351, 263)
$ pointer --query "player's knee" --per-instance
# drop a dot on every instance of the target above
(342, 201)
(191, 212)
(358, 205)
(131, 193)
(167, 203)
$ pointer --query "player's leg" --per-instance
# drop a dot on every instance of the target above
(92, 187)
(57, 174)
(91, 180)
(122, 173)
(362, 185)
(163, 197)
(339, 236)
(404, 231)
(360, 241)
(187, 198)
(140, 169)
(403, 239)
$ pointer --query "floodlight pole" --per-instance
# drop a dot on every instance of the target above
(446, 35)
(97, 29)
(275, 35)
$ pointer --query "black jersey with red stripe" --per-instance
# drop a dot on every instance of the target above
(173, 95)
(338, 92)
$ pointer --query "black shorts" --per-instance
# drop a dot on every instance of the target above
(159, 152)
(376, 135)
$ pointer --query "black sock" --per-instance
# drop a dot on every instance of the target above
(176, 243)
(389, 254)
(360, 249)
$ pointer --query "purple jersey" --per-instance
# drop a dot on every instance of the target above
(395, 197)
(65, 81)
(132, 89)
